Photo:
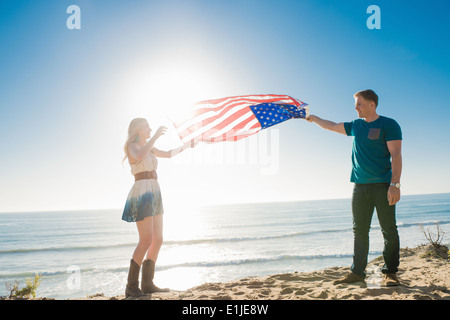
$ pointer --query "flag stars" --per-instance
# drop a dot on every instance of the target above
(270, 114)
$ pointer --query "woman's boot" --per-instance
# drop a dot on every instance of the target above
(148, 273)
(132, 289)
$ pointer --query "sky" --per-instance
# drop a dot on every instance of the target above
(67, 95)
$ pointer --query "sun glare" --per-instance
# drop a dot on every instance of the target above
(167, 91)
(162, 93)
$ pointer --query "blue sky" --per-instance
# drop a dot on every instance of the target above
(67, 96)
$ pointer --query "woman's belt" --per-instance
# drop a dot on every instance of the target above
(145, 175)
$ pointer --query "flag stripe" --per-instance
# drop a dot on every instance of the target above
(208, 117)
(251, 127)
(211, 128)
(256, 99)
(235, 125)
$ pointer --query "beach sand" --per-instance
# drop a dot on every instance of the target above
(423, 276)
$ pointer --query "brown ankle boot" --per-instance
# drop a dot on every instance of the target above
(148, 273)
(132, 289)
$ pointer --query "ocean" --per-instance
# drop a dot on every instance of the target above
(80, 253)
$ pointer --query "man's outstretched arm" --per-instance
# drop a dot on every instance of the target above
(326, 124)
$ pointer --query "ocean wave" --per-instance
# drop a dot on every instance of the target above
(277, 259)
(51, 249)
(27, 275)
(193, 264)
(418, 224)
(254, 238)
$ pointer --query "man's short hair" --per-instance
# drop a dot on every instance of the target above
(368, 95)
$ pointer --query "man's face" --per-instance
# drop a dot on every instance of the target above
(364, 107)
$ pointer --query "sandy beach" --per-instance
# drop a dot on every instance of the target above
(422, 274)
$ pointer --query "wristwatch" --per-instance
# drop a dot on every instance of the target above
(397, 185)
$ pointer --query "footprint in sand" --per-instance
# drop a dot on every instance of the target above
(286, 277)
(322, 294)
(264, 292)
(211, 286)
(300, 292)
(287, 291)
(255, 284)
(222, 297)
(269, 284)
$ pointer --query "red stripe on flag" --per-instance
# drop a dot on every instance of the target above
(206, 135)
(205, 122)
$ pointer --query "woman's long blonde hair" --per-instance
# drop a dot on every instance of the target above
(133, 133)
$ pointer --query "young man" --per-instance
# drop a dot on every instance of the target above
(376, 141)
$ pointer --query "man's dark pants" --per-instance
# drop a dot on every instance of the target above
(366, 197)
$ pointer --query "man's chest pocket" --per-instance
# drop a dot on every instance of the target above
(374, 133)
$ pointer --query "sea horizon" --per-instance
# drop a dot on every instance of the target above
(212, 204)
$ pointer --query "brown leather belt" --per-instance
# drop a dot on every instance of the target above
(145, 175)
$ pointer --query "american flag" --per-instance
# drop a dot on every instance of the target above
(235, 118)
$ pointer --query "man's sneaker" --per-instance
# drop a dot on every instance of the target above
(349, 278)
(390, 280)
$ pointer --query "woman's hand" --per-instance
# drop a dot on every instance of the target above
(161, 130)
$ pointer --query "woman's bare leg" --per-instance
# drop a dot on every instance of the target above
(157, 238)
(145, 229)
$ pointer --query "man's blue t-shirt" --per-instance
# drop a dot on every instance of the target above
(371, 160)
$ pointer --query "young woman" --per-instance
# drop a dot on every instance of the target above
(144, 204)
